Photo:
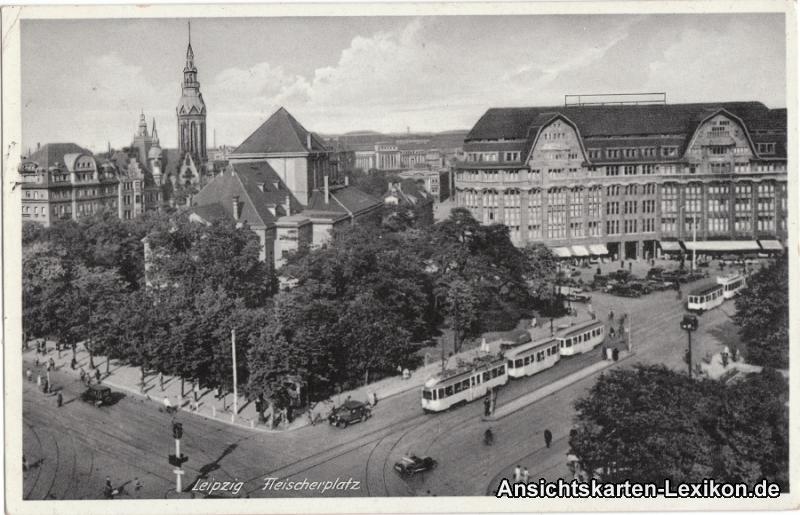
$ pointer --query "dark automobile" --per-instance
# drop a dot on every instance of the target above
(659, 285)
(98, 394)
(410, 465)
(655, 273)
(349, 413)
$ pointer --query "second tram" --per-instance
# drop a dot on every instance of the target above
(533, 357)
(731, 284)
(706, 297)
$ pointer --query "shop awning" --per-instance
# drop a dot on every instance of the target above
(722, 246)
(670, 246)
(770, 244)
(562, 252)
(579, 251)
(598, 249)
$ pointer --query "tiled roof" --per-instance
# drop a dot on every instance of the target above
(274, 191)
(629, 120)
(343, 199)
(280, 133)
(51, 154)
(221, 190)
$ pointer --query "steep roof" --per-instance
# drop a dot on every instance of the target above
(619, 120)
(280, 133)
(211, 212)
(51, 154)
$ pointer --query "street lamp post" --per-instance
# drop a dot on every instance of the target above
(689, 324)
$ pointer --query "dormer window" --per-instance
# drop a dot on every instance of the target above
(766, 148)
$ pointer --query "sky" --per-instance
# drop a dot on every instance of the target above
(86, 81)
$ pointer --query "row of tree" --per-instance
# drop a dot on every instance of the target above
(361, 305)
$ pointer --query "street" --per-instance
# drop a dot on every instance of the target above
(71, 450)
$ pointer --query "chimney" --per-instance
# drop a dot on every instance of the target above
(236, 207)
(347, 180)
(327, 191)
(288, 205)
(308, 140)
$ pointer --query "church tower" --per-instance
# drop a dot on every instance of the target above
(191, 113)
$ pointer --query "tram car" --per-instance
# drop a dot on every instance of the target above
(581, 338)
(466, 383)
(530, 358)
(731, 284)
(705, 297)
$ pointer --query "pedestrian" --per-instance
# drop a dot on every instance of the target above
(108, 490)
(50, 364)
(630, 266)
(97, 375)
(611, 315)
(399, 370)
(374, 399)
(548, 438)
(161, 380)
(487, 406)
(517, 474)
(38, 380)
(612, 333)
(137, 485)
(73, 363)
(59, 399)
(48, 386)
(525, 475)
(36, 360)
(29, 375)
(83, 376)
(533, 322)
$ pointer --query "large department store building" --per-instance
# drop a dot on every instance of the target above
(630, 180)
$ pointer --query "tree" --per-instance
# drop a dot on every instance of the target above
(650, 423)
(461, 309)
(46, 277)
(97, 296)
(762, 314)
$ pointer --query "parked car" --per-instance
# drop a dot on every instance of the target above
(98, 394)
(659, 284)
(410, 465)
(348, 413)
(655, 272)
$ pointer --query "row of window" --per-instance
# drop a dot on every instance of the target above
(527, 360)
(633, 152)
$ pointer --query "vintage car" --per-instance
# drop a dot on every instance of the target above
(577, 297)
(410, 465)
(98, 394)
(348, 413)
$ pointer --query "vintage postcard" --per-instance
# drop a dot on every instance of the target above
(396, 258)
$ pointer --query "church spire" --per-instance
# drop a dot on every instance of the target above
(154, 133)
(142, 125)
(189, 52)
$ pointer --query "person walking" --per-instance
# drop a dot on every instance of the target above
(73, 363)
(525, 475)
(38, 380)
(83, 376)
(611, 315)
(161, 380)
(29, 375)
(51, 364)
(517, 474)
(59, 399)
(97, 375)
(548, 438)
(108, 490)
(487, 406)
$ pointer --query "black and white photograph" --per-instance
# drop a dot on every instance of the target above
(355, 258)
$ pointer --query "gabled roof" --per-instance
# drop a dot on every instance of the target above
(260, 191)
(211, 212)
(280, 133)
(51, 154)
(616, 120)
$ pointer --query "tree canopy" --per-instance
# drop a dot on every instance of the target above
(650, 423)
(762, 314)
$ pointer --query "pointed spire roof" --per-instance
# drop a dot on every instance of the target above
(189, 51)
(280, 133)
(155, 133)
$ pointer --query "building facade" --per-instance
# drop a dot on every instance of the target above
(631, 179)
(62, 181)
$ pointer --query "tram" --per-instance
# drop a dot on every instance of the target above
(467, 382)
(706, 297)
(731, 284)
(533, 357)
(581, 338)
